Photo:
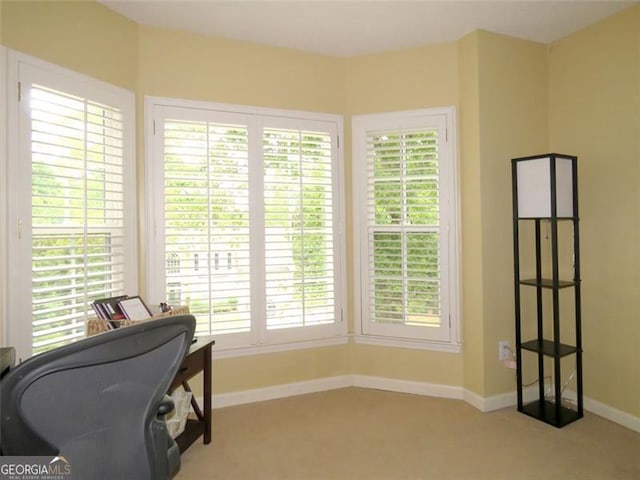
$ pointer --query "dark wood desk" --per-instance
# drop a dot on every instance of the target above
(197, 360)
(7, 360)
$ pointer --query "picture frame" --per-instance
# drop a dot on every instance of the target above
(134, 308)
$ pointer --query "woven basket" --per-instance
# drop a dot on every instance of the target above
(96, 325)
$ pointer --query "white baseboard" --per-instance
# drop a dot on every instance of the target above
(484, 404)
(407, 386)
(221, 400)
(509, 399)
(613, 414)
(605, 411)
(330, 383)
(496, 402)
(489, 404)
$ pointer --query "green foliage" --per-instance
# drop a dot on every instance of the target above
(405, 203)
(298, 211)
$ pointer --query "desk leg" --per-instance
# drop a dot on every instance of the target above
(207, 395)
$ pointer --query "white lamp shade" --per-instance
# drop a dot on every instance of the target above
(534, 187)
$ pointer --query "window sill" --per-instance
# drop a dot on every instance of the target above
(250, 350)
(450, 347)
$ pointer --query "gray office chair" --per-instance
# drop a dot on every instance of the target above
(99, 402)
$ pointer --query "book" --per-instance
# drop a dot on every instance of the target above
(98, 311)
(109, 309)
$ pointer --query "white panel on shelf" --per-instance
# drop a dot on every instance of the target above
(534, 187)
(564, 191)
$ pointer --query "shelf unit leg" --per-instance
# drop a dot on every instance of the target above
(540, 316)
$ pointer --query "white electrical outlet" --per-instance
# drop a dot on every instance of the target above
(504, 350)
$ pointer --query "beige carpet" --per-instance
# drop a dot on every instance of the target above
(369, 434)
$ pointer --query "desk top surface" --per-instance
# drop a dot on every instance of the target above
(201, 342)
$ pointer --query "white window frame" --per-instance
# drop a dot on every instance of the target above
(259, 339)
(400, 335)
(18, 215)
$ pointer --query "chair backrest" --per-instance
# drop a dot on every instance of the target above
(95, 401)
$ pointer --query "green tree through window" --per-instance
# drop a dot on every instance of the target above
(405, 227)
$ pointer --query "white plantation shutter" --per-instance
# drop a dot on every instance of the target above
(298, 202)
(405, 226)
(71, 202)
(245, 214)
(206, 223)
(77, 212)
(403, 217)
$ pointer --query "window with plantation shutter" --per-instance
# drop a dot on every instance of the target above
(73, 223)
(245, 212)
(407, 228)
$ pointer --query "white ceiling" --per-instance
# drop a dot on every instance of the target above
(348, 27)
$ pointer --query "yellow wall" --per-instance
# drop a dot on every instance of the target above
(182, 65)
(266, 370)
(512, 123)
(82, 36)
(594, 112)
(513, 98)
(402, 80)
(503, 115)
(412, 365)
(471, 218)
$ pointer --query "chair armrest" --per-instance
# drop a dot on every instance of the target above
(166, 405)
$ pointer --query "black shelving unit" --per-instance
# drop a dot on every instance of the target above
(545, 190)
